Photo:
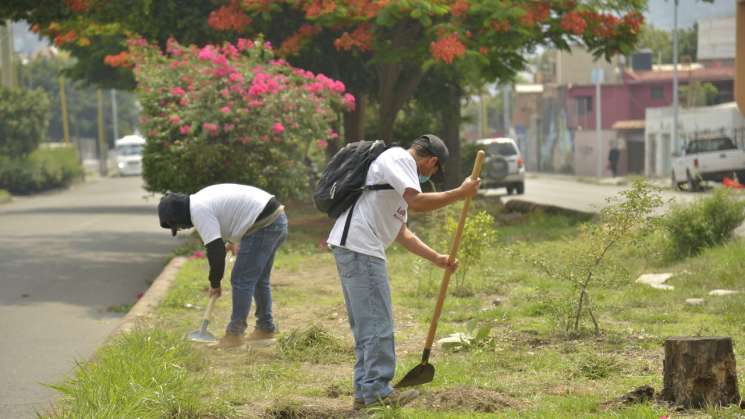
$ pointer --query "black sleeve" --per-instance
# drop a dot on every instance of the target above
(216, 259)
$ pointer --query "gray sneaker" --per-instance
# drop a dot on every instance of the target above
(396, 398)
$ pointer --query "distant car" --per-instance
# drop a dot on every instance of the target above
(708, 159)
(129, 155)
(504, 166)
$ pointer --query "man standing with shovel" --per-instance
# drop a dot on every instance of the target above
(359, 239)
(239, 214)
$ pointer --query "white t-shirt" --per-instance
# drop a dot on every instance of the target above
(378, 215)
(226, 210)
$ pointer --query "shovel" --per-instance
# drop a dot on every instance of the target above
(425, 372)
(202, 334)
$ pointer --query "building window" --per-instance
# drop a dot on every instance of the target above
(584, 105)
(657, 92)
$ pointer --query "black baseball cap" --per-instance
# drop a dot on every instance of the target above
(436, 147)
(173, 212)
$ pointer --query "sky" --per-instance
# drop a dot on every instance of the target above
(660, 12)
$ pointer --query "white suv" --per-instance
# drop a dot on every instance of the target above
(504, 166)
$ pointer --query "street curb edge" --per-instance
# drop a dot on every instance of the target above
(151, 299)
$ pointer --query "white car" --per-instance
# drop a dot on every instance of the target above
(129, 155)
(504, 166)
(708, 159)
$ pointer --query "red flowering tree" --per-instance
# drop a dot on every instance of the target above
(230, 113)
(380, 49)
(402, 40)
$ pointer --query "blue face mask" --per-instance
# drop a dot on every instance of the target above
(423, 179)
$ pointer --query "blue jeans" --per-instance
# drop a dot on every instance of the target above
(364, 280)
(250, 277)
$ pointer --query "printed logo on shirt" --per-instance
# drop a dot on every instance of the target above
(400, 214)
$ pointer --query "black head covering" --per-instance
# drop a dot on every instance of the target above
(174, 213)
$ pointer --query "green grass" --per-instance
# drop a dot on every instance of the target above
(146, 373)
(314, 344)
(525, 368)
(4, 196)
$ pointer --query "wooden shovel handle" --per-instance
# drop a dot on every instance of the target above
(453, 252)
(211, 303)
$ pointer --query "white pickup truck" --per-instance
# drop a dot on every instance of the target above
(708, 159)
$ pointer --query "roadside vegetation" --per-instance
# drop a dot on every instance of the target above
(525, 354)
(25, 167)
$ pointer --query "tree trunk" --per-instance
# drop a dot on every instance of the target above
(396, 87)
(354, 122)
(700, 371)
(451, 135)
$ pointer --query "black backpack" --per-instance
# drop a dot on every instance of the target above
(343, 180)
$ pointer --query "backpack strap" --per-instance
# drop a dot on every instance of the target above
(380, 187)
(348, 222)
(346, 225)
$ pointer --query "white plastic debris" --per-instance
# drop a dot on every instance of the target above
(656, 281)
(723, 292)
(694, 301)
(454, 340)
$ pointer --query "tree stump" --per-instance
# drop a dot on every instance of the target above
(699, 372)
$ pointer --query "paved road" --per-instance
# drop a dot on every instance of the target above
(66, 258)
(566, 192)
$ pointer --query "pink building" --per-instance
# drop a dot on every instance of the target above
(623, 108)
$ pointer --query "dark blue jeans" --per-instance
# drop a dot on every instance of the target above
(250, 277)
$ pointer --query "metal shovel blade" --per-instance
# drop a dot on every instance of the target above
(202, 335)
(421, 374)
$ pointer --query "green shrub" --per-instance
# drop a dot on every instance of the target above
(24, 117)
(705, 223)
(44, 169)
(231, 113)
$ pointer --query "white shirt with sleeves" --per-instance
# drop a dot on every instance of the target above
(226, 210)
(378, 215)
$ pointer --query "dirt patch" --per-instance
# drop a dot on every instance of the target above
(467, 398)
(311, 409)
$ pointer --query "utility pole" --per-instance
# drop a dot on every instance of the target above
(675, 145)
(484, 116)
(597, 78)
(740, 57)
(102, 147)
(506, 109)
(63, 106)
(114, 115)
(6, 55)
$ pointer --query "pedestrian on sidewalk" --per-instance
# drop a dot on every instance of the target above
(254, 223)
(378, 218)
(613, 156)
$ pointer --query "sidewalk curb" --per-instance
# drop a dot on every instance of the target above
(150, 300)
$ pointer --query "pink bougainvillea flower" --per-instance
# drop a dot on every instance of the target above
(185, 129)
(322, 144)
(210, 128)
(349, 102)
(244, 44)
(225, 109)
(174, 119)
(178, 91)
(198, 254)
(278, 128)
(228, 127)
(207, 53)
